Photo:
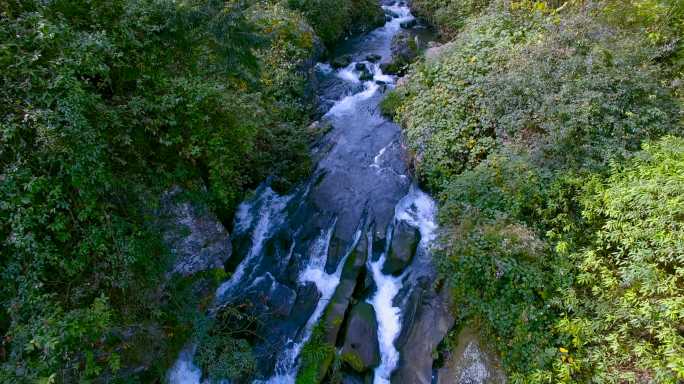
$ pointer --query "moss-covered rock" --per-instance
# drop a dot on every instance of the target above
(404, 244)
(361, 350)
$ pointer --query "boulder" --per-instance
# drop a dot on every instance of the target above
(361, 67)
(194, 235)
(353, 378)
(361, 350)
(390, 68)
(373, 58)
(391, 14)
(470, 363)
(272, 297)
(341, 61)
(429, 322)
(336, 310)
(307, 298)
(366, 76)
(404, 244)
(409, 23)
(404, 47)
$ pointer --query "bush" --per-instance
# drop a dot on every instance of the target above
(224, 350)
(554, 238)
(443, 105)
(626, 321)
(104, 106)
(333, 20)
(449, 15)
(316, 357)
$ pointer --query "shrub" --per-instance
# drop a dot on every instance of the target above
(104, 105)
(556, 240)
(626, 324)
(224, 350)
(449, 15)
(332, 20)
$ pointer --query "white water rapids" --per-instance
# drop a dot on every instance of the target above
(264, 213)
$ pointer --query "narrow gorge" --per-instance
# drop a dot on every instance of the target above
(345, 258)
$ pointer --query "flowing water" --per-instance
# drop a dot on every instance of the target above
(293, 248)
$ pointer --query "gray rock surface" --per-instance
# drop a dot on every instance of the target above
(404, 244)
(272, 297)
(361, 350)
(195, 236)
(470, 363)
(430, 323)
(339, 303)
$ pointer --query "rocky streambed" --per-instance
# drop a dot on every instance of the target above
(345, 259)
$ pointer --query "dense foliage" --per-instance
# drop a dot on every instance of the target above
(104, 105)
(334, 20)
(557, 239)
(449, 15)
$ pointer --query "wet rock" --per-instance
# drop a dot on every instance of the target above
(361, 67)
(366, 76)
(404, 48)
(318, 129)
(341, 61)
(391, 68)
(410, 299)
(336, 251)
(339, 303)
(430, 323)
(391, 14)
(195, 236)
(470, 363)
(352, 378)
(361, 350)
(272, 297)
(373, 58)
(404, 245)
(408, 24)
(307, 298)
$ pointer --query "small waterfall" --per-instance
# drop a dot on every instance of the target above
(363, 162)
(419, 211)
(286, 367)
(267, 209)
(270, 215)
(184, 371)
(389, 321)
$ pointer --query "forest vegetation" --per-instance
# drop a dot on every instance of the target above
(104, 106)
(551, 133)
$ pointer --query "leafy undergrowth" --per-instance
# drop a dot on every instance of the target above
(541, 130)
(105, 105)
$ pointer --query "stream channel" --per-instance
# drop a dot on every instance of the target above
(350, 248)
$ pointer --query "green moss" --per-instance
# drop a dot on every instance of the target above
(316, 357)
(391, 103)
(353, 360)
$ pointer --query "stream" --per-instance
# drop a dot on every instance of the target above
(329, 243)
